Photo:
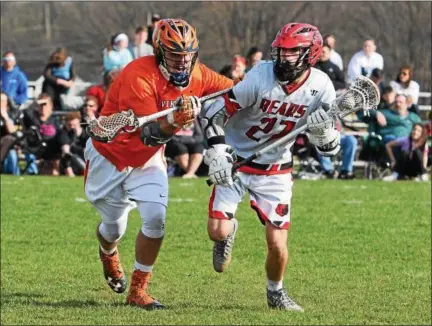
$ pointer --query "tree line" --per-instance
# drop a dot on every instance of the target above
(33, 30)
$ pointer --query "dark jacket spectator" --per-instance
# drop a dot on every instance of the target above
(72, 139)
(59, 76)
(48, 128)
(332, 70)
(412, 157)
(13, 80)
(377, 76)
(155, 18)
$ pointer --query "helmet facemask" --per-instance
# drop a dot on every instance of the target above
(289, 70)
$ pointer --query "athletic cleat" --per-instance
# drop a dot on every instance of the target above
(113, 271)
(222, 250)
(280, 300)
(138, 295)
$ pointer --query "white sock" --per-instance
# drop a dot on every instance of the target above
(274, 285)
(108, 252)
(143, 268)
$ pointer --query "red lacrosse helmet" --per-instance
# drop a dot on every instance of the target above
(304, 37)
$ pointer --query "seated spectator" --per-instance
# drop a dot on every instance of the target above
(13, 80)
(394, 123)
(348, 145)
(11, 140)
(325, 65)
(226, 71)
(90, 109)
(48, 128)
(388, 97)
(154, 19)
(254, 56)
(72, 138)
(404, 84)
(140, 48)
(117, 55)
(100, 90)
(363, 62)
(9, 157)
(412, 157)
(59, 76)
(186, 148)
(387, 102)
(330, 39)
(377, 76)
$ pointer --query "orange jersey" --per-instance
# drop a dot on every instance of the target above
(142, 88)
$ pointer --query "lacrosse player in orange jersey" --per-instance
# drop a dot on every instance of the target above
(131, 171)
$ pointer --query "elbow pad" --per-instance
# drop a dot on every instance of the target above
(212, 121)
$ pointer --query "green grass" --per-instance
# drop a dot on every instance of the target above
(360, 253)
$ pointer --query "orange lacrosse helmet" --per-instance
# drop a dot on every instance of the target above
(175, 36)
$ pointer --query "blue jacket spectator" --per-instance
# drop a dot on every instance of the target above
(117, 55)
(13, 80)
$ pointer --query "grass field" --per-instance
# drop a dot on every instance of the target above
(360, 254)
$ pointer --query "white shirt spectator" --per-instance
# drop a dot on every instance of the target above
(142, 50)
(336, 59)
(412, 90)
(361, 64)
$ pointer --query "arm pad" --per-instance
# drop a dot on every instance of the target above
(152, 135)
(213, 120)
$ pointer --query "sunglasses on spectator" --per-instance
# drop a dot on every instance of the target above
(10, 58)
(90, 105)
(404, 73)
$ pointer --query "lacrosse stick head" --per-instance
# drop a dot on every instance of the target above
(105, 128)
(363, 94)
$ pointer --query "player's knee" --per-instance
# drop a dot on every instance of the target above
(218, 229)
(113, 232)
(277, 247)
(153, 218)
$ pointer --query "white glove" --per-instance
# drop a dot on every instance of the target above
(323, 133)
(220, 159)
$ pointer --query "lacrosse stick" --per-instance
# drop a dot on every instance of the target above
(362, 94)
(106, 128)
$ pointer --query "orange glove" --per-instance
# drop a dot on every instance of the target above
(189, 107)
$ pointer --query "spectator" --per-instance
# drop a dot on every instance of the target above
(394, 123)
(99, 91)
(387, 98)
(72, 140)
(332, 70)
(238, 67)
(364, 61)
(404, 84)
(377, 76)
(9, 157)
(186, 148)
(155, 18)
(48, 129)
(59, 76)
(412, 156)
(226, 71)
(254, 56)
(13, 80)
(140, 48)
(334, 56)
(117, 55)
(90, 108)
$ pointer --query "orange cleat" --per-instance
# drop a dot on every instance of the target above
(113, 271)
(138, 295)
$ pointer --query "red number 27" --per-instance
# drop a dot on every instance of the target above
(269, 123)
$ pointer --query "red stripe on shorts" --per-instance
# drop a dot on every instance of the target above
(215, 214)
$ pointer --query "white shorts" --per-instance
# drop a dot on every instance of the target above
(106, 187)
(269, 195)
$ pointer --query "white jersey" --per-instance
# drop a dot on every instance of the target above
(267, 112)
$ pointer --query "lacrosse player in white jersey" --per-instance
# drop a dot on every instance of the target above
(272, 99)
